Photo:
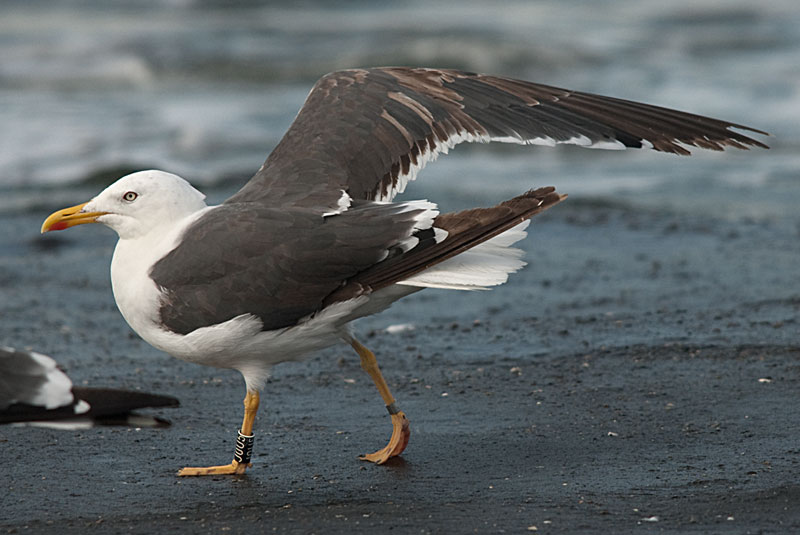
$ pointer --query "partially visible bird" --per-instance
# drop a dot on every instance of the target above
(315, 239)
(34, 390)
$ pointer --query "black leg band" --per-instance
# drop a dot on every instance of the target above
(244, 448)
(392, 408)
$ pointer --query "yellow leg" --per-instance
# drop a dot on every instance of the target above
(235, 467)
(401, 430)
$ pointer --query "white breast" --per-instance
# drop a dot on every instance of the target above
(137, 296)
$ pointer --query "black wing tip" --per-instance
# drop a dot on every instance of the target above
(547, 194)
(748, 141)
(736, 141)
(108, 400)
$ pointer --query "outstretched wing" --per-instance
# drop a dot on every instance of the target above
(364, 133)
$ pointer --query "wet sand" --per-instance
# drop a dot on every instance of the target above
(641, 375)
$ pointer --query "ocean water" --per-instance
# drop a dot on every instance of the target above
(90, 89)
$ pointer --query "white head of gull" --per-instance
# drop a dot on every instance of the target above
(145, 204)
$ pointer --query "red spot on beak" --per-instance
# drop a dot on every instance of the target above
(61, 225)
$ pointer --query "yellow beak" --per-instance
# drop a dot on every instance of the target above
(69, 217)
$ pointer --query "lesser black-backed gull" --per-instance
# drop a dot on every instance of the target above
(315, 239)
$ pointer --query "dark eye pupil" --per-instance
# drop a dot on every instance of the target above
(130, 196)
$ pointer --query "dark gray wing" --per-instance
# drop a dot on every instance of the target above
(277, 264)
(32, 388)
(106, 406)
(367, 132)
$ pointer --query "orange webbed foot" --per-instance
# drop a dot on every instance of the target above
(401, 432)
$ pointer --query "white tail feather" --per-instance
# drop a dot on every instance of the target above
(485, 265)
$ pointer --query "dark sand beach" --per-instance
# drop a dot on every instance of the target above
(641, 375)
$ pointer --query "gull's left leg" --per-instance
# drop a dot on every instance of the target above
(401, 429)
(244, 445)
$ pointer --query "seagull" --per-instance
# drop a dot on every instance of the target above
(34, 391)
(315, 239)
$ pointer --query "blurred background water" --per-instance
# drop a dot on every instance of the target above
(91, 89)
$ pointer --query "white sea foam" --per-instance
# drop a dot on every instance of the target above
(168, 85)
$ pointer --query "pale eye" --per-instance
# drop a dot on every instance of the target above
(130, 196)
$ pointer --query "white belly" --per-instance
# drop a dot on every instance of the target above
(238, 343)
